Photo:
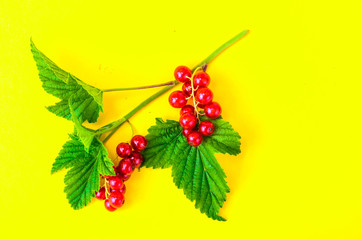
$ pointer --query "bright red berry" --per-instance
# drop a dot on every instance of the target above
(101, 194)
(124, 177)
(200, 105)
(126, 166)
(116, 199)
(108, 206)
(187, 109)
(201, 79)
(182, 73)
(139, 143)
(177, 99)
(194, 139)
(122, 190)
(187, 88)
(204, 96)
(136, 158)
(186, 132)
(206, 128)
(115, 182)
(212, 110)
(124, 150)
(188, 120)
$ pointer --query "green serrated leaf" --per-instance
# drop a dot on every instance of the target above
(85, 135)
(82, 180)
(224, 139)
(162, 141)
(71, 153)
(87, 100)
(194, 169)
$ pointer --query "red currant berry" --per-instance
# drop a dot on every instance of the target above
(201, 106)
(194, 139)
(213, 110)
(182, 73)
(136, 158)
(206, 128)
(187, 109)
(204, 96)
(116, 199)
(125, 177)
(188, 120)
(177, 99)
(186, 132)
(124, 150)
(115, 182)
(123, 189)
(187, 88)
(139, 143)
(126, 166)
(101, 194)
(108, 206)
(201, 79)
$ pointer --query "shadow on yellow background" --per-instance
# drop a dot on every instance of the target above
(291, 88)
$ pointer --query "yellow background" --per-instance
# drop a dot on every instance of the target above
(291, 88)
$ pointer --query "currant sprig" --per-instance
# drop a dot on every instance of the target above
(90, 171)
(114, 186)
(195, 87)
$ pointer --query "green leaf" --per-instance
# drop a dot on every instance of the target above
(87, 100)
(71, 153)
(85, 135)
(225, 139)
(82, 180)
(194, 169)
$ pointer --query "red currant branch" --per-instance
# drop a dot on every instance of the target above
(114, 126)
(170, 83)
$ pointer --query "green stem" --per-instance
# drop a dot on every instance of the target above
(131, 126)
(170, 83)
(114, 126)
(213, 55)
(118, 123)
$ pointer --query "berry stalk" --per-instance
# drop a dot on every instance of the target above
(170, 83)
(114, 126)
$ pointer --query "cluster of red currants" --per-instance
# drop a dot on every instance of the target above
(114, 187)
(195, 86)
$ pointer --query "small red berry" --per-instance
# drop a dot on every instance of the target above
(108, 206)
(204, 96)
(126, 166)
(124, 177)
(136, 158)
(101, 194)
(177, 99)
(116, 199)
(194, 139)
(213, 110)
(187, 88)
(186, 109)
(200, 105)
(122, 190)
(124, 150)
(139, 143)
(188, 120)
(206, 128)
(186, 132)
(116, 182)
(182, 73)
(201, 79)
